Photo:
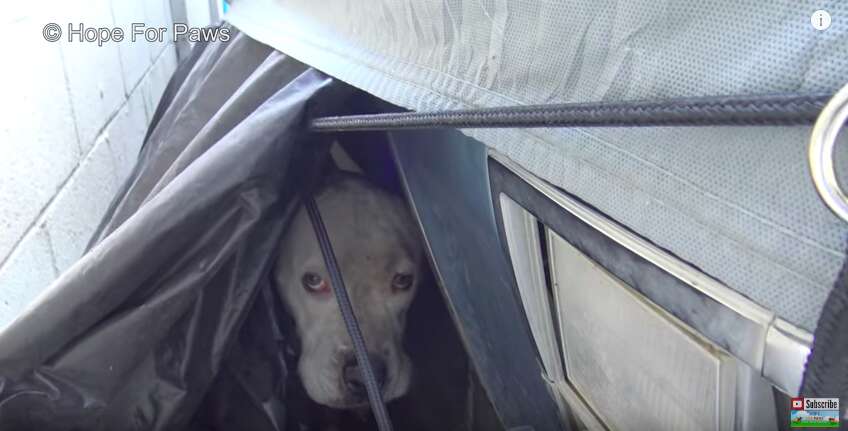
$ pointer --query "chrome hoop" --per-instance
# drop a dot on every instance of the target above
(822, 144)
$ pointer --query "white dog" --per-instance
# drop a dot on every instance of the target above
(376, 243)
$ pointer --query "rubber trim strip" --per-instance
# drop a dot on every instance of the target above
(757, 110)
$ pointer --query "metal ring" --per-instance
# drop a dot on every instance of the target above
(822, 144)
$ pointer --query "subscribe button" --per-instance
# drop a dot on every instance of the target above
(814, 413)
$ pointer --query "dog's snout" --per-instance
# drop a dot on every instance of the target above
(354, 380)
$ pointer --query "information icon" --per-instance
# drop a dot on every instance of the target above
(820, 19)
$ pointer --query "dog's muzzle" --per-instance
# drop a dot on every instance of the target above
(353, 380)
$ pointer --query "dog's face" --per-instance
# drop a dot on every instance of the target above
(377, 246)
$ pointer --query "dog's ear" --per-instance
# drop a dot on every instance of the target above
(342, 160)
(336, 165)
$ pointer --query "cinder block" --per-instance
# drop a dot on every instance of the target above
(95, 77)
(38, 141)
(153, 85)
(16, 11)
(145, 89)
(158, 14)
(27, 273)
(169, 65)
(135, 55)
(126, 134)
(75, 214)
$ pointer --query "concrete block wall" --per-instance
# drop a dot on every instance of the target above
(72, 123)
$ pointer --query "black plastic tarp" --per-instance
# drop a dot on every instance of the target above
(170, 321)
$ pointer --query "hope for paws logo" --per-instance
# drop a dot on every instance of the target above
(814, 413)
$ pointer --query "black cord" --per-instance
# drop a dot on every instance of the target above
(756, 110)
(375, 397)
(826, 371)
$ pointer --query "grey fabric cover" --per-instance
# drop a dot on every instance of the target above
(736, 202)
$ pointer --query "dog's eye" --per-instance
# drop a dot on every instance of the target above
(314, 283)
(402, 281)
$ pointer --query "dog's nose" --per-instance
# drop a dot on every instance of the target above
(354, 380)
